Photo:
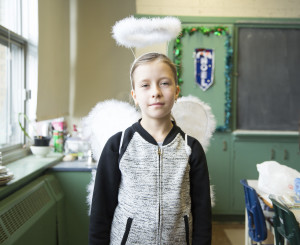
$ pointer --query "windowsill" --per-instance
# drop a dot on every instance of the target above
(26, 170)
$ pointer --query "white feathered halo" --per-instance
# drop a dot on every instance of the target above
(107, 118)
(134, 32)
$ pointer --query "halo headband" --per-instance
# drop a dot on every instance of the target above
(137, 33)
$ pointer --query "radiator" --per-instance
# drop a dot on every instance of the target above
(31, 215)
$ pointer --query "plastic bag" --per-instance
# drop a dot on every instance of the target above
(275, 178)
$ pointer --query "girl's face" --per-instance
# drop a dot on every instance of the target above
(154, 90)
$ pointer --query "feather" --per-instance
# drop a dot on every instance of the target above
(195, 118)
(136, 33)
(90, 190)
(106, 119)
(212, 195)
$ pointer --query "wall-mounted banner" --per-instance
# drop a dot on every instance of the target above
(204, 67)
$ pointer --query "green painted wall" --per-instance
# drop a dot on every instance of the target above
(233, 154)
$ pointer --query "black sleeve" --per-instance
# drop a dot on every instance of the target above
(200, 195)
(105, 196)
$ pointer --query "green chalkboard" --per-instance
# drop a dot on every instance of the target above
(268, 84)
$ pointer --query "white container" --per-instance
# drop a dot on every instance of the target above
(40, 151)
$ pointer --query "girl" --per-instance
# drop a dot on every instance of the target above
(152, 184)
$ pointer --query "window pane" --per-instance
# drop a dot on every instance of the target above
(3, 94)
(10, 15)
(11, 87)
(30, 20)
(17, 88)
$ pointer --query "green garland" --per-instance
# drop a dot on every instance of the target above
(217, 31)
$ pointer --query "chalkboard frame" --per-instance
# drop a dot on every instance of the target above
(238, 26)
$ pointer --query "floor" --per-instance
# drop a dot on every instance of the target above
(228, 233)
(231, 233)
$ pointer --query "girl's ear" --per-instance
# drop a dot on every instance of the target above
(177, 92)
(133, 95)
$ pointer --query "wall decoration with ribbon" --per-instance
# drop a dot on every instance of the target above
(219, 31)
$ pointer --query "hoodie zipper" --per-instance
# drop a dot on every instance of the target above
(159, 194)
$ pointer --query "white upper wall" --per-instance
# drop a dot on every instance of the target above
(221, 8)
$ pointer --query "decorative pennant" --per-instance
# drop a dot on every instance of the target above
(204, 67)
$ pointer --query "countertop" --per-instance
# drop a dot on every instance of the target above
(29, 168)
(26, 170)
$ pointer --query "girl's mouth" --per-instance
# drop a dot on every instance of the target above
(156, 104)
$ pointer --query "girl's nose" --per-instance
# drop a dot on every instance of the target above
(156, 91)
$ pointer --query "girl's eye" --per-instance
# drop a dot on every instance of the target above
(164, 83)
(144, 85)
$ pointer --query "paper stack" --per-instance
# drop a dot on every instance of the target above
(5, 175)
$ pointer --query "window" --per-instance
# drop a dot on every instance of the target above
(11, 87)
(18, 71)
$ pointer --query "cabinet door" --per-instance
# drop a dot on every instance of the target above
(218, 160)
(287, 153)
(245, 157)
(74, 185)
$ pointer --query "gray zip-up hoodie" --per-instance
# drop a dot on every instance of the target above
(145, 194)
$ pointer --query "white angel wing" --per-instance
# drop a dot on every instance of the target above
(90, 190)
(195, 118)
(106, 119)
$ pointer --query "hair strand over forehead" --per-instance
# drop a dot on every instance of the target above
(150, 57)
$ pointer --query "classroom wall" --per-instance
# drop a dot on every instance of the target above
(215, 8)
(220, 8)
(79, 62)
(102, 68)
(53, 59)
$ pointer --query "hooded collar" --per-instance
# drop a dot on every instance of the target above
(171, 135)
